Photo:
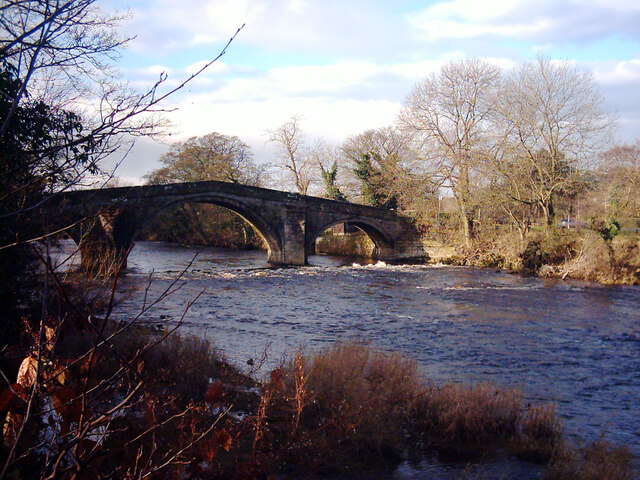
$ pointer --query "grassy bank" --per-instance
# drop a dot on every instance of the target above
(578, 254)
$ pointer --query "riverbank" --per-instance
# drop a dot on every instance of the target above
(580, 255)
(567, 253)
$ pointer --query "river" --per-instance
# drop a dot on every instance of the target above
(573, 343)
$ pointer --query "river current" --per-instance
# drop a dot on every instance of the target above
(573, 343)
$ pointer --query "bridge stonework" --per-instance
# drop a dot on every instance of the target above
(105, 221)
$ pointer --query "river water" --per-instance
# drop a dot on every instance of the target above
(573, 343)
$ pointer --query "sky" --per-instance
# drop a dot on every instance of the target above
(346, 66)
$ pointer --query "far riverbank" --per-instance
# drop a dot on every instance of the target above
(565, 254)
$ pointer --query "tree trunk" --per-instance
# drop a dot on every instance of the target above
(467, 227)
(549, 216)
(612, 256)
(522, 230)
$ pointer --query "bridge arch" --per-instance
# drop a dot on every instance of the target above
(287, 222)
(258, 223)
(381, 239)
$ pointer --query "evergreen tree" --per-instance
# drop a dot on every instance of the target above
(332, 191)
(373, 186)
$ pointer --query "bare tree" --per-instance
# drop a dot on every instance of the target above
(61, 54)
(60, 49)
(448, 115)
(619, 182)
(294, 155)
(505, 196)
(553, 123)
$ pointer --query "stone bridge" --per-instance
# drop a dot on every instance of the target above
(105, 221)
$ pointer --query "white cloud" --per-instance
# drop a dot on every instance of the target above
(377, 31)
(469, 19)
(330, 118)
(348, 27)
(616, 73)
(336, 101)
(541, 21)
(620, 84)
(166, 25)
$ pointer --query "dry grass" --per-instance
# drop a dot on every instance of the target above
(365, 391)
(346, 409)
(342, 409)
(179, 366)
(368, 404)
(500, 251)
(462, 418)
(583, 255)
(595, 261)
(540, 435)
(351, 406)
(597, 461)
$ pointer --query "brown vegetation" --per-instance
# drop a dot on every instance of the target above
(581, 255)
(462, 418)
(351, 407)
(597, 461)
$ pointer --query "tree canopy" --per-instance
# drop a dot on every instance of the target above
(447, 114)
(42, 150)
(211, 157)
(552, 124)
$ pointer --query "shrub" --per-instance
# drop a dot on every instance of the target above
(540, 433)
(462, 418)
(366, 391)
(597, 461)
(182, 366)
(554, 250)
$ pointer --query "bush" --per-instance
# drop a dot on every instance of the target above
(540, 434)
(365, 391)
(359, 405)
(461, 418)
(597, 461)
(554, 250)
